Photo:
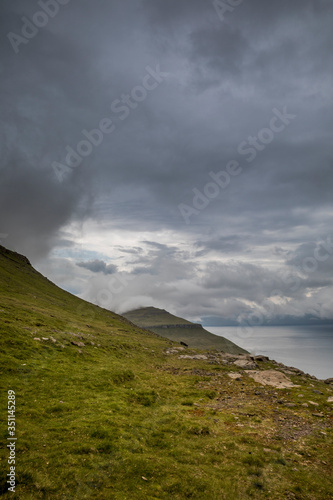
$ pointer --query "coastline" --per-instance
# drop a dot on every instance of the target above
(308, 348)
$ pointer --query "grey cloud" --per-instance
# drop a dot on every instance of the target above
(98, 266)
(223, 244)
(224, 79)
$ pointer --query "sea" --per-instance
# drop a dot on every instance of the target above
(309, 348)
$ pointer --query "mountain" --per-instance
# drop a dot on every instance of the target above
(105, 410)
(180, 330)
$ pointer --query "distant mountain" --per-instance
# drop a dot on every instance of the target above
(178, 329)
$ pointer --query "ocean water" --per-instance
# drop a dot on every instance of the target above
(309, 348)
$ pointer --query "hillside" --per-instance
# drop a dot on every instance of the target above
(180, 330)
(105, 410)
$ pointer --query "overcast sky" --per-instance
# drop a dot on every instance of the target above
(172, 153)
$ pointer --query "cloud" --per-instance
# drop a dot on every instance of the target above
(223, 80)
(98, 266)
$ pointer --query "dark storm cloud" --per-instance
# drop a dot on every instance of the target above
(221, 82)
(98, 266)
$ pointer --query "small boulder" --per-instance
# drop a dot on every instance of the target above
(235, 375)
(261, 358)
(246, 364)
(196, 356)
(78, 344)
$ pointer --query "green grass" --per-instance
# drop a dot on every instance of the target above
(119, 419)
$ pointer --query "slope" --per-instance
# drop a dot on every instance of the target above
(180, 330)
(106, 410)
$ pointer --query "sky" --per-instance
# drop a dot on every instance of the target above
(175, 154)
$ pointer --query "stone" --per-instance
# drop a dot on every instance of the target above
(246, 364)
(274, 378)
(330, 399)
(196, 356)
(261, 358)
(235, 375)
(78, 344)
(78, 335)
(313, 403)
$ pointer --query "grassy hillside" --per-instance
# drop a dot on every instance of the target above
(105, 410)
(180, 330)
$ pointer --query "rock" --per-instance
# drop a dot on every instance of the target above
(313, 403)
(196, 356)
(78, 344)
(290, 405)
(246, 364)
(260, 358)
(305, 405)
(45, 338)
(271, 377)
(183, 343)
(36, 338)
(235, 375)
(53, 340)
(329, 381)
(318, 414)
(78, 335)
(330, 399)
(317, 392)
